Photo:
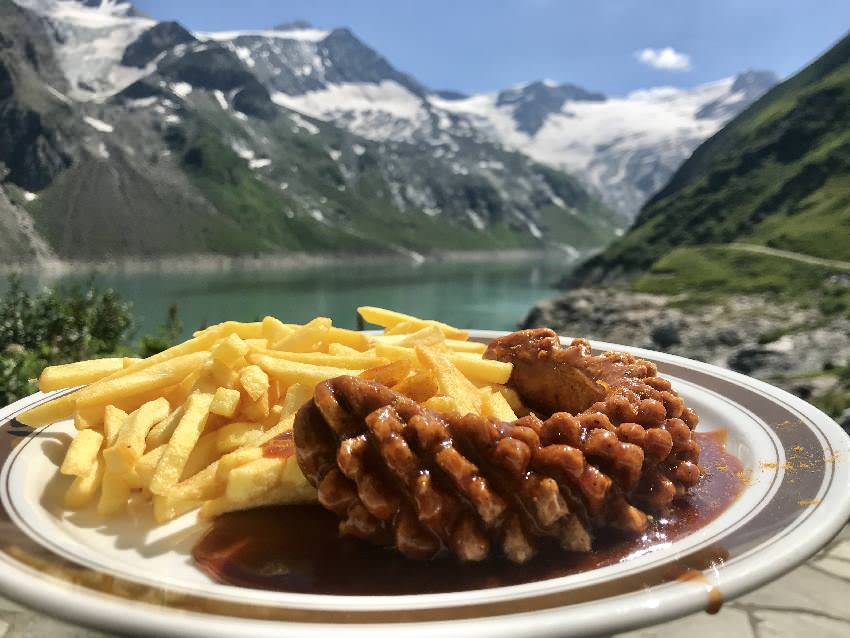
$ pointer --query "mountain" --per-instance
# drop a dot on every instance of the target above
(776, 177)
(124, 137)
(624, 148)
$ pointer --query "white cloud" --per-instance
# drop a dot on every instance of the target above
(667, 58)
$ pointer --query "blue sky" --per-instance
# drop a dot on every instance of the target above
(613, 46)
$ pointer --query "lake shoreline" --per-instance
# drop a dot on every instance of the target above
(211, 263)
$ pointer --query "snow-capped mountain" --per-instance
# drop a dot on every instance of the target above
(626, 148)
(89, 39)
(123, 136)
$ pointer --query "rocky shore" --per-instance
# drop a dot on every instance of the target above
(794, 347)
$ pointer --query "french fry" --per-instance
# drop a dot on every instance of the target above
(256, 410)
(204, 454)
(297, 395)
(201, 485)
(465, 346)
(86, 418)
(236, 435)
(254, 381)
(177, 394)
(225, 402)
(290, 372)
(427, 336)
(82, 490)
(243, 330)
(135, 382)
(480, 370)
(79, 373)
(223, 375)
(113, 421)
(50, 412)
(146, 466)
(257, 344)
(82, 453)
(494, 405)
(285, 493)
(129, 445)
(395, 352)
(131, 361)
(162, 431)
(304, 338)
(64, 406)
(420, 386)
(442, 404)
(355, 361)
(450, 380)
(339, 349)
(389, 318)
(349, 338)
(249, 481)
(390, 374)
(230, 350)
(512, 397)
(274, 331)
(114, 493)
(166, 508)
(402, 328)
(234, 459)
(180, 445)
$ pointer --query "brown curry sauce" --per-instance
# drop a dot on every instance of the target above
(298, 548)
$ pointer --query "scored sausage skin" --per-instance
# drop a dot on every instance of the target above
(396, 473)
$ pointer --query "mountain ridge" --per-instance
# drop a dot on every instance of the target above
(188, 153)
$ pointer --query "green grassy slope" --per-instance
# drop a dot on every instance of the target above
(777, 175)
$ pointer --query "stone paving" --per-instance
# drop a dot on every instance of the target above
(813, 600)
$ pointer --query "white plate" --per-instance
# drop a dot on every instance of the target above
(131, 576)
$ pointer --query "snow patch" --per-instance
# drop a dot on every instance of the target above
(259, 163)
(181, 89)
(89, 43)
(304, 35)
(534, 229)
(242, 151)
(611, 145)
(29, 196)
(172, 118)
(222, 101)
(381, 111)
(244, 54)
(476, 219)
(358, 149)
(98, 125)
(141, 103)
(57, 94)
(102, 151)
(335, 154)
(301, 123)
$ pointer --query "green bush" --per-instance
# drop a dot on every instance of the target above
(66, 324)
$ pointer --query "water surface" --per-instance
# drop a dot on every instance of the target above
(490, 295)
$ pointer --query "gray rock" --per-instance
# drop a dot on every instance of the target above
(749, 360)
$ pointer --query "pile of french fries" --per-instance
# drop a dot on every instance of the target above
(188, 428)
